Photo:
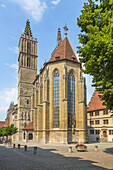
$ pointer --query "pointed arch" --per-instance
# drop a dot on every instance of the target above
(56, 98)
(28, 61)
(71, 99)
(29, 47)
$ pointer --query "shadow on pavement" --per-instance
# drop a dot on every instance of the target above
(109, 150)
(44, 159)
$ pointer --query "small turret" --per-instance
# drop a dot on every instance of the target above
(59, 39)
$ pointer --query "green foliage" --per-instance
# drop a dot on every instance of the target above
(0, 132)
(8, 131)
(96, 50)
(81, 145)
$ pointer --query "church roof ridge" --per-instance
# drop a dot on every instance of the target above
(64, 51)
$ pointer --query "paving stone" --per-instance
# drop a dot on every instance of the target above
(56, 157)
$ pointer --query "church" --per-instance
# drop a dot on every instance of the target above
(51, 104)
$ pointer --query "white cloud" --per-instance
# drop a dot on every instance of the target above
(14, 49)
(2, 5)
(6, 96)
(35, 8)
(14, 66)
(55, 2)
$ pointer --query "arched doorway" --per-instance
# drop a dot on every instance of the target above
(30, 136)
(104, 134)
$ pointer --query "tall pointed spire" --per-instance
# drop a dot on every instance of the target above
(27, 29)
(59, 39)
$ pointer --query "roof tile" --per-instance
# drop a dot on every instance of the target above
(64, 51)
(29, 126)
(2, 124)
(96, 103)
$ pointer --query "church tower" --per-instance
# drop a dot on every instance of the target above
(27, 71)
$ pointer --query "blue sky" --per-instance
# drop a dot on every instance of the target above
(45, 18)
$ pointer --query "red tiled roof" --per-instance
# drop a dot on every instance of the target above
(2, 124)
(29, 126)
(7, 121)
(64, 51)
(96, 102)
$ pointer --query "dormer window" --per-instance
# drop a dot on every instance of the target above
(73, 58)
(57, 58)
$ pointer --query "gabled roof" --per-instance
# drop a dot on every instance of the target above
(29, 126)
(64, 51)
(96, 103)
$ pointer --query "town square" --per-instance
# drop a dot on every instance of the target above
(56, 109)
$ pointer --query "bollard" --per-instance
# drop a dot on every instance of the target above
(70, 149)
(96, 148)
(14, 145)
(35, 150)
(25, 148)
(18, 146)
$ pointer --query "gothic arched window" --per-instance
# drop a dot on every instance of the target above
(30, 136)
(22, 61)
(24, 135)
(22, 116)
(28, 61)
(71, 100)
(24, 124)
(28, 47)
(29, 116)
(56, 98)
(25, 115)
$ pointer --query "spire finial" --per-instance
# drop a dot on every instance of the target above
(66, 29)
(27, 29)
(59, 39)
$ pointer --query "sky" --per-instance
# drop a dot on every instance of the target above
(45, 16)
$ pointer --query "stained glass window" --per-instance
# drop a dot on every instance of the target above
(71, 99)
(56, 99)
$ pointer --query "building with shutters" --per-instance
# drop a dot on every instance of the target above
(99, 121)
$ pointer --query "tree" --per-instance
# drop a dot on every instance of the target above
(8, 131)
(1, 132)
(96, 50)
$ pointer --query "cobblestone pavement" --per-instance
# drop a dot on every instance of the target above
(56, 157)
